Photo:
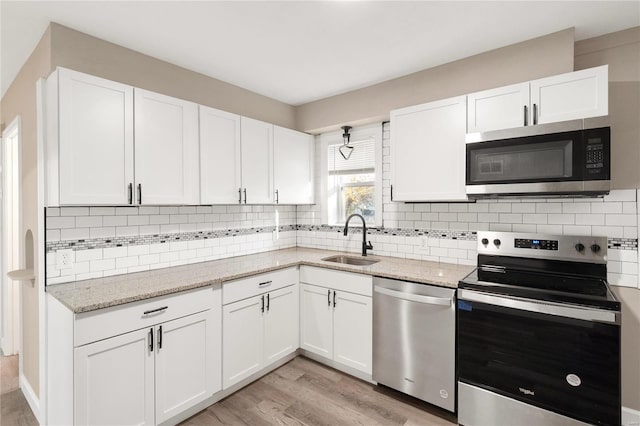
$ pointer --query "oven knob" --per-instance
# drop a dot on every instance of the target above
(485, 241)
(595, 248)
(496, 242)
(580, 247)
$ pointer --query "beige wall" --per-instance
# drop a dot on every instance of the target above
(621, 50)
(84, 53)
(539, 57)
(20, 99)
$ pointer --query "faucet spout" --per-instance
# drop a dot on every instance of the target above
(365, 246)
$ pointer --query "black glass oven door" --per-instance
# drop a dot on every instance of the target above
(564, 365)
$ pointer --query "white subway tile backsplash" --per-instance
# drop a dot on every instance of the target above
(74, 211)
(74, 234)
(610, 208)
(102, 211)
(548, 207)
(114, 220)
(61, 222)
(88, 221)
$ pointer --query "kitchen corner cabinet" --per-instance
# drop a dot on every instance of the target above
(257, 161)
(166, 150)
(428, 151)
(220, 157)
(336, 319)
(292, 166)
(570, 96)
(89, 139)
(260, 323)
(141, 363)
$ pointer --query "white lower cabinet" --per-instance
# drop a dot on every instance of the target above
(335, 322)
(259, 326)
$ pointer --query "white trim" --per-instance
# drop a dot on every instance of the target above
(30, 396)
(39, 245)
(14, 291)
(630, 417)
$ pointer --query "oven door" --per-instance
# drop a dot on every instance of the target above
(559, 358)
(557, 163)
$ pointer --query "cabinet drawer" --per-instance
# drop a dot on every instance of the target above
(257, 284)
(337, 280)
(109, 322)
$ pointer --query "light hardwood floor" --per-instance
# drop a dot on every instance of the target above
(303, 392)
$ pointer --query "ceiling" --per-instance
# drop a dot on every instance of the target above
(300, 51)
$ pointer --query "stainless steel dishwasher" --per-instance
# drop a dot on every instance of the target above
(414, 340)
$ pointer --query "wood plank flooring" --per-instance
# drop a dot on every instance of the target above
(303, 392)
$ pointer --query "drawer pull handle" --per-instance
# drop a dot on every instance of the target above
(153, 311)
(264, 284)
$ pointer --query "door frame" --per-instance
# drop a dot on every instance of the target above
(11, 294)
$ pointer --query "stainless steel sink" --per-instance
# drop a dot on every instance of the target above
(351, 260)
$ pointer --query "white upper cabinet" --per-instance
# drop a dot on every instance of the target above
(292, 166)
(220, 157)
(166, 149)
(257, 161)
(500, 108)
(570, 96)
(94, 140)
(428, 151)
(580, 94)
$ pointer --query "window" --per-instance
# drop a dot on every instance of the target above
(353, 186)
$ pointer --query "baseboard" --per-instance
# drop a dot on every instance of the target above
(30, 396)
(630, 417)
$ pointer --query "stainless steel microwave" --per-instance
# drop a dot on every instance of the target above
(571, 158)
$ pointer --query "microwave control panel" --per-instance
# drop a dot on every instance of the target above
(595, 154)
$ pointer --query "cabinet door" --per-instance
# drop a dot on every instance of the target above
(316, 320)
(166, 149)
(220, 163)
(500, 108)
(257, 161)
(292, 166)
(242, 340)
(95, 139)
(570, 96)
(428, 151)
(185, 363)
(281, 319)
(114, 381)
(353, 331)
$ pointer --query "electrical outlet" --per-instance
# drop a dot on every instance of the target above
(424, 242)
(65, 259)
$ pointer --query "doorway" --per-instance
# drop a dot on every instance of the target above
(11, 247)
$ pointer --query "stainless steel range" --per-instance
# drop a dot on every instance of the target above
(538, 333)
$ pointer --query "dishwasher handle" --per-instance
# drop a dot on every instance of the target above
(430, 300)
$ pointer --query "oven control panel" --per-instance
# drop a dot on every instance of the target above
(543, 246)
(536, 244)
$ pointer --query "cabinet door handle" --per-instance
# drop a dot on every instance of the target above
(277, 197)
(535, 114)
(160, 337)
(329, 297)
(392, 192)
(239, 195)
(245, 195)
(526, 116)
(139, 193)
(334, 298)
(262, 308)
(153, 311)
(151, 339)
(130, 197)
(265, 283)
(268, 299)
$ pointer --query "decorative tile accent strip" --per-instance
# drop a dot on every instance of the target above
(404, 232)
(623, 243)
(95, 243)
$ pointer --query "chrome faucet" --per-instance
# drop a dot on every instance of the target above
(365, 246)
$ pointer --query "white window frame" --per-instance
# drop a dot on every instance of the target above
(371, 131)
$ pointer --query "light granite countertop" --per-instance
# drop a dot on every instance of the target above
(90, 295)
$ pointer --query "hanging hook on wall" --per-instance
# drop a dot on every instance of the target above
(346, 150)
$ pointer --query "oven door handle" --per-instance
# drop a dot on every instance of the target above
(587, 314)
(430, 300)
